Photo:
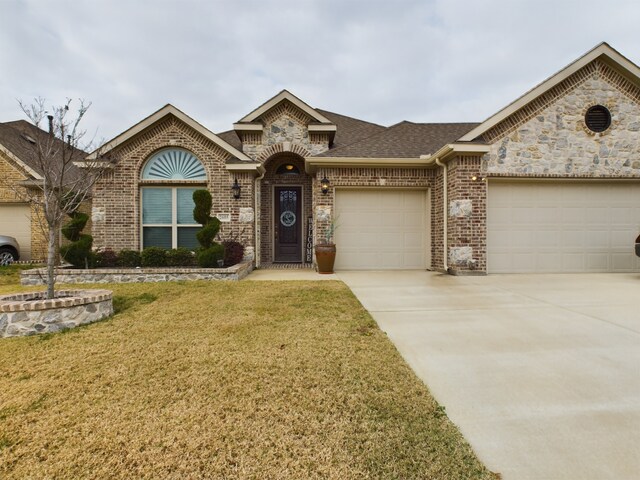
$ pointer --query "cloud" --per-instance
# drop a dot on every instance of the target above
(439, 60)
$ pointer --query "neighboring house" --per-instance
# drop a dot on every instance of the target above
(551, 183)
(20, 180)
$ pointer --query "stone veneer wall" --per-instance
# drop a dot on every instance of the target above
(285, 137)
(116, 207)
(466, 222)
(550, 138)
(283, 124)
(23, 314)
(139, 275)
(271, 180)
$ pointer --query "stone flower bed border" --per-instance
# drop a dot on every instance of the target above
(23, 314)
(137, 275)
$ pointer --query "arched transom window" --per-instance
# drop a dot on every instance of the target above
(167, 210)
(174, 164)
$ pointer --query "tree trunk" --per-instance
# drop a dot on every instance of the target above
(51, 263)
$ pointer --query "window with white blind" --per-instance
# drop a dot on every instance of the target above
(167, 211)
(167, 217)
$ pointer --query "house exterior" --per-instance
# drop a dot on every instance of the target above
(19, 176)
(550, 183)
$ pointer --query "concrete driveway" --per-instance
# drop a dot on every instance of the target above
(540, 372)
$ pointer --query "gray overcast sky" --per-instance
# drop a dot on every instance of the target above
(382, 61)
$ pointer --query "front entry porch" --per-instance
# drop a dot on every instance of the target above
(285, 213)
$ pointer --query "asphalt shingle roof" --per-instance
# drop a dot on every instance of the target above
(403, 140)
(18, 137)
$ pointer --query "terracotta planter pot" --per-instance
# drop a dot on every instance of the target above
(325, 257)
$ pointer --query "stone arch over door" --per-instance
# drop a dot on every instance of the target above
(279, 186)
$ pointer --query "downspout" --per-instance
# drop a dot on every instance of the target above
(444, 213)
(256, 217)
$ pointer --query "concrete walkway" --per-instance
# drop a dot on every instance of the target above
(289, 274)
(540, 372)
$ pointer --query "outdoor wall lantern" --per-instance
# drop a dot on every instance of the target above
(324, 185)
(236, 189)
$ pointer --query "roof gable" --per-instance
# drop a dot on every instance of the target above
(20, 140)
(603, 52)
(156, 117)
(282, 96)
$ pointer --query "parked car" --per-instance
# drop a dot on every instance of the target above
(638, 246)
(9, 250)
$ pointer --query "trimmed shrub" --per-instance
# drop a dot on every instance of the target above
(78, 252)
(208, 257)
(74, 227)
(210, 252)
(181, 257)
(128, 259)
(106, 258)
(153, 257)
(233, 252)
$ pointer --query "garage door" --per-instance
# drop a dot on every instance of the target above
(562, 227)
(381, 229)
(15, 221)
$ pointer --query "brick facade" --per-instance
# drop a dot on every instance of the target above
(116, 206)
(466, 229)
(545, 138)
(12, 193)
(385, 178)
(270, 180)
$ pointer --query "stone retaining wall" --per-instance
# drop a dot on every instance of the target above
(24, 314)
(137, 275)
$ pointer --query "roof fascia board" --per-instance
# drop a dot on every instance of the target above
(284, 95)
(257, 168)
(322, 128)
(20, 163)
(602, 50)
(450, 149)
(248, 127)
(153, 118)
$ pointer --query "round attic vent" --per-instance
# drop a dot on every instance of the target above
(598, 118)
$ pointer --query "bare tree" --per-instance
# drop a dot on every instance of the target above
(67, 176)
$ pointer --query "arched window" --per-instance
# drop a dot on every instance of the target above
(167, 211)
(174, 164)
(287, 169)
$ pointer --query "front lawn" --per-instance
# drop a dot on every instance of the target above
(223, 380)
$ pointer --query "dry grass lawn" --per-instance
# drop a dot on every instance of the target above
(222, 380)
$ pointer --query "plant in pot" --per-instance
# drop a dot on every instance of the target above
(326, 251)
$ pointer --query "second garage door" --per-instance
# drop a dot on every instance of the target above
(381, 229)
(562, 227)
(15, 221)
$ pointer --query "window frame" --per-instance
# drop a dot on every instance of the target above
(174, 225)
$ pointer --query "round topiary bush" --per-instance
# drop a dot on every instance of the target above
(128, 259)
(153, 257)
(181, 257)
(211, 257)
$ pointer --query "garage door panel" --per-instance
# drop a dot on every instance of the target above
(587, 226)
(381, 229)
(15, 221)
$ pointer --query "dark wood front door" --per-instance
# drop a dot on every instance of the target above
(287, 224)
